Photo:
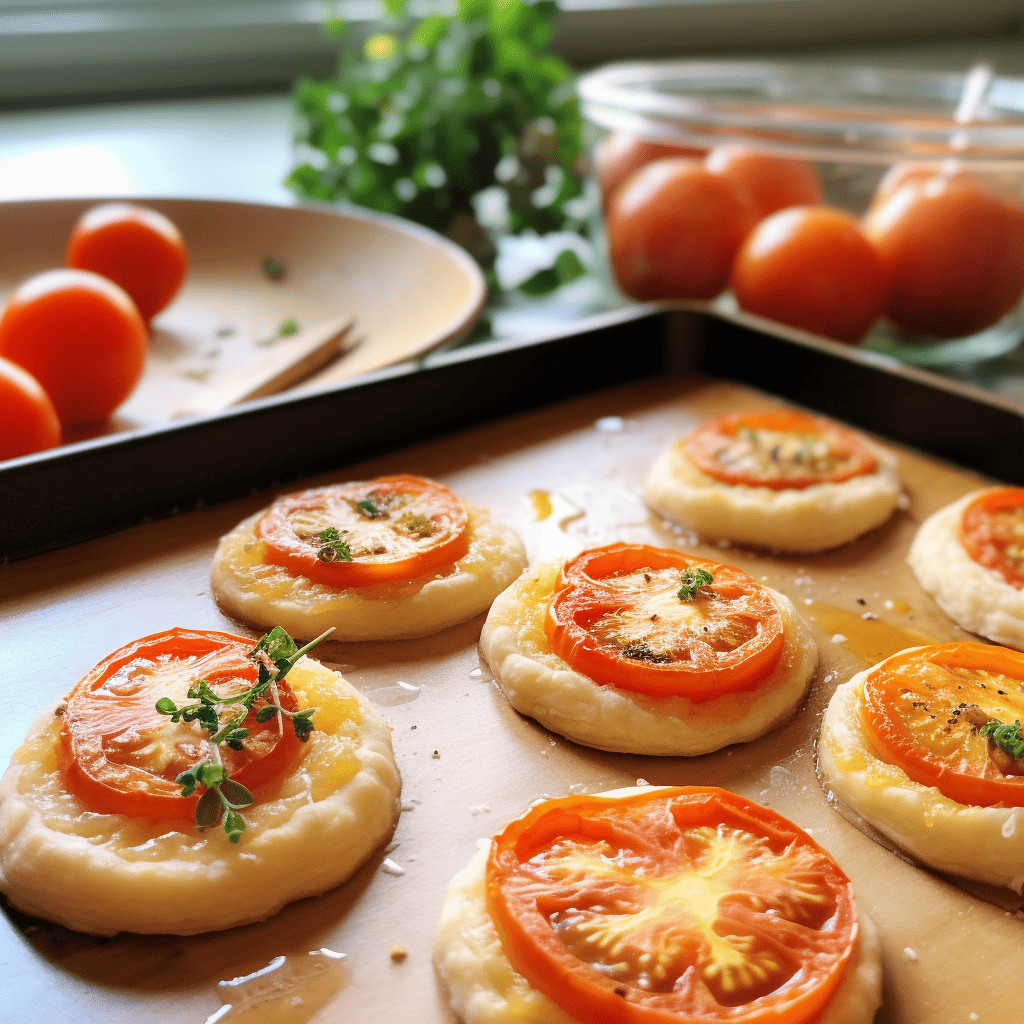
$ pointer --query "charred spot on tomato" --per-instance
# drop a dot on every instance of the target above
(641, 652)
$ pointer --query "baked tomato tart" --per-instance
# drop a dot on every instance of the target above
(779, 478)
(656, 906)
(192, 781)
(970, 557)
(926, 746)
(399, 556)
(648, 650)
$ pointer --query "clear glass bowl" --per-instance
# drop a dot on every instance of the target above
(851, 123)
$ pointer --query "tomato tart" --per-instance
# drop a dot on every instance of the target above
(970, 557)
(778, 478)
(653, 906)
(926, 747)
(399, 556)
(194, 781)
(648, 650)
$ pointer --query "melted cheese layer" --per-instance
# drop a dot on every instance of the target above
(105, 873)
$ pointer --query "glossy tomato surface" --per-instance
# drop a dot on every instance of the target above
(674, 229)
(992, 533)
(28, 420)
(811, 267)
(620, 155)
(80, 336)
(954, 255)
(772, 182)
(136, 248)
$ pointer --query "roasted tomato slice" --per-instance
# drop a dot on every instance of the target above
(628, 616)
(674, 905)
(777, 448)
(924, 710)
(387, 530)
(992, 532)
(121, 756)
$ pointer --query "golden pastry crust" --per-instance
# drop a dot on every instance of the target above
(265, 595)
(106, 873)
(808, 519)
(538, 683)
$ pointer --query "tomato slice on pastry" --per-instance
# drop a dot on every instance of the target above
(688, 904)
(992, 532)
(778, 449)
(640, 618)
(926, 710)
(392, 529)
(121, 756)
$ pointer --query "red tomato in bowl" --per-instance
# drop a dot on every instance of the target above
(80, 336)
(28, 420)
(137, 248)
(773, 182)
(673, 230)
(953, 252)
(811, 267)
(620, 155)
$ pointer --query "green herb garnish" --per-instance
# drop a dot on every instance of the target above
(368, 509)
(288, 328)
(692, 580)
(222, 717)
(272, 267)
(334, 549)
(1006, 737)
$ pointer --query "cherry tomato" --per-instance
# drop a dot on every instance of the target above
(773, 182)
(673, 230)
(28, 420)
(387, 530)
(620, 155)
(777, 448)
(137, 248)
(954, 254)
(80, 336)
(992, 533)
(618, 618)
(686, 904)
(119, 755)
(918, 713)
(811, 267)
(915, 173)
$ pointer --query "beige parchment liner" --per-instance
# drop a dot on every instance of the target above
(567, 478)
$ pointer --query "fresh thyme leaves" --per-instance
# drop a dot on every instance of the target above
(368, 509)
(692, 580)
(1006, 737)
(275, 655)
(334, 549)
(272, 267)
(288, 328)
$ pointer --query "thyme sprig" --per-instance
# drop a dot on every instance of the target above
(333, 549)
(692, 580)
(275, 655)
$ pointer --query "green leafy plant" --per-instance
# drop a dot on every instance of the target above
(692, 580)
(430, 119)
(1005, 736)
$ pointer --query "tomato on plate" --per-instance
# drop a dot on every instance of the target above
(778, 449)
(620, 155)
(80, 336)
(136, 248)
(773, 182)
(923, 710)
(992, 533)
(953, 253)
(392, 529)
(28, 420)
(672, 905)
(119, 755)
(673, 230)
(811, 267)
(631, 616)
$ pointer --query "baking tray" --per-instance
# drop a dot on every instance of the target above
(94, 487)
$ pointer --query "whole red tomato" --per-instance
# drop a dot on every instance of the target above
(953, 252)
(80, 336)
(673, 230)
(137, 248)
(811, 267)
(28, 420)
(618, 156)
(773, 182)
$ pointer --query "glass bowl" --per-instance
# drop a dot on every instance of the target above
(954, 134)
